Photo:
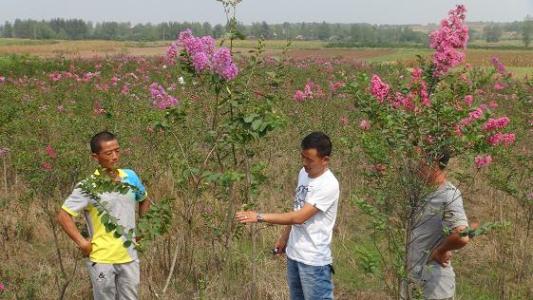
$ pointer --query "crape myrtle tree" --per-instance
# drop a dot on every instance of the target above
(420, 114)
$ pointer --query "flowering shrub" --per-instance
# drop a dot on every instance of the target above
(431, 111)
(411, 111)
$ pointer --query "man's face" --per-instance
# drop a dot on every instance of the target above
(109, 154)
(313, 163)
(427, 171)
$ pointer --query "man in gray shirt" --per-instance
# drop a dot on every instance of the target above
(436, 233)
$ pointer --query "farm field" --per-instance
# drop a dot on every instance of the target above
(519, 62)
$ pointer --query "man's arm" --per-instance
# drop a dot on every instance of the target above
(289, 218)
(68, 225)
(281, 243)
(443, 253)
(144, 206)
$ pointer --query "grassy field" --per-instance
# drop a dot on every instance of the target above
(520, 62)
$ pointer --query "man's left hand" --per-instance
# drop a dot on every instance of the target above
(442, 257)
(246, 216)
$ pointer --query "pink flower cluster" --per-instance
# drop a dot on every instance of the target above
(452, 35)
(114, 80)
(311, 91)
(417, 80)
(469, 99)
(51, 152)
(204, 56)
(378, 88)
(499, 138)
(401, 100)
(472, 116)
(89, 75)
(498, 86)
(334, 86)
(493, 124)
(483, 160)
(417, 86)
(55, 76)
(160, 98)
(364, 124)
(2, 79)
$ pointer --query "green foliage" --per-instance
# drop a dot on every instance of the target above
(483, 229)
(154, 223)
(368, 260)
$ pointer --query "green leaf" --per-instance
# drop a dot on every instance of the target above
(256, 124)
(105, 219)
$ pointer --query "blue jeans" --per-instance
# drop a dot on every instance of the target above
(309, 282)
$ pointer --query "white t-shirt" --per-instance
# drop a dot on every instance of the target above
(309, 243)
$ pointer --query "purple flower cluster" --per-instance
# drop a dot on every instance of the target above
(223, 64)
(498, 65)
(451, 36)
(172, 52)
(160, 98)
(204, 56)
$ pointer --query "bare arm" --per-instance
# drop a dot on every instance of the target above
(68, 225)
(144, 206)
(443, 253)
(289, 218)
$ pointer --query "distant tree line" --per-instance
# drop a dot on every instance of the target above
(349, 34)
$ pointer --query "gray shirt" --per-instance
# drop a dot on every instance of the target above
(443, 210)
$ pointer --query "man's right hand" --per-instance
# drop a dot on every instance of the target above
(85, 247)
(280, 246)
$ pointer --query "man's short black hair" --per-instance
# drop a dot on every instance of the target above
(319, 141)
(99, 138)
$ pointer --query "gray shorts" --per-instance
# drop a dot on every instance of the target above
(115, 281)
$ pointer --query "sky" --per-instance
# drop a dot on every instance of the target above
(271, 11)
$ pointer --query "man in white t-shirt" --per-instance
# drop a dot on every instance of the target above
(307, 239)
